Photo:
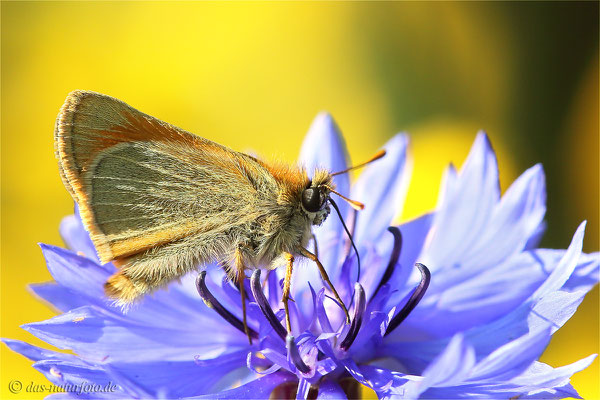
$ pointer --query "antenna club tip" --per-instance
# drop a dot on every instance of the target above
(357, 205)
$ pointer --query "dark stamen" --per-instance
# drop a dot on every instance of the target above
(393, 259)
(213, 303)
(361, 302)
(263, 303)
(294, 355)
(349, 236)
(414, 299)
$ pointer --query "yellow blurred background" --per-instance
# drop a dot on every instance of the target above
(253, 75)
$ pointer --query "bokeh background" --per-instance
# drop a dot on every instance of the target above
(253, 76)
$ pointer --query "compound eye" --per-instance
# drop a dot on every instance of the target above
(311, 199)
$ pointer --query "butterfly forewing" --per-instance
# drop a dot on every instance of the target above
(142, 183)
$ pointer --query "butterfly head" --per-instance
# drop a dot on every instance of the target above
(315, 197)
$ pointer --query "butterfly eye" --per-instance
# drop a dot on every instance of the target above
(311, 200)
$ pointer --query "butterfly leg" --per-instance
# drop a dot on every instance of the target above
(241, 275)
(324, 275)
(314, 238)
(286, 290)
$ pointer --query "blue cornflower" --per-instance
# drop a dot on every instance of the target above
(459, 303)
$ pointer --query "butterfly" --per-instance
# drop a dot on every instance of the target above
(160, 202)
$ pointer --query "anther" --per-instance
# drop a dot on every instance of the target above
(361, 302)
(294, 355)
(213, 303)
(264, 306)
(414, 299)
(393, 259)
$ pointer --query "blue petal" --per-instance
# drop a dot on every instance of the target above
(503, 289)
(100, 335)
(452, 367)
(585, 276)
(565, 267)
(508, 228)
(554, 310)
(62, 368)
(175, 379)
(386, 383)
(303, 389)
(382, 188)
(514, 220)
(464, 209)
(543, 381)
(370, 337)
(80, 374)
(62, 396)
(512, 359)
(546, 307)
(76, 237)
(77, 273)
(36, 353)
(58, 296)
(260, 388)
(414, 234)
(322, 316)
(539, 381)
(478, 299)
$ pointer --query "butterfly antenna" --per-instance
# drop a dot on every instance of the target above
(349, 235)
(357, 205)
(376, 157)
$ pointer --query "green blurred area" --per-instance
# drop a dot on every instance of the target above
(253, 75)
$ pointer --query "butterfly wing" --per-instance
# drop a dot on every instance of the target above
(142, 183)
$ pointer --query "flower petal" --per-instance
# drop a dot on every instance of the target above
(58, 296)
(80, 374)
(546, 382)
(414, 234)
(77, 273)
(452, 367)
(100, 335)
(36, 353)
(513, 221)
(387, 384)
(382, 188)
(502, 290)
(303, 389)
(565, 267)
(464, 208)
(586, 274)
(260, 388)
(513, 358)
(76, 237)
(176, 379)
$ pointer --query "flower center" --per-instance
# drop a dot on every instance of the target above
(359, 300)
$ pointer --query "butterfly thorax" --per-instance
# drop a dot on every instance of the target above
(286, 224)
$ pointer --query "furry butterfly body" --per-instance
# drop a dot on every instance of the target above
(159, 201)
